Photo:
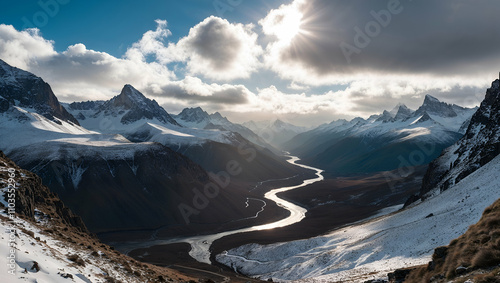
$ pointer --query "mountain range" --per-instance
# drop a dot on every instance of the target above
(389, 141)
(212, 141)
(115, 167)
(199, 119)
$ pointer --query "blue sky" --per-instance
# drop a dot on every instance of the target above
(112, 26)
(303, 61)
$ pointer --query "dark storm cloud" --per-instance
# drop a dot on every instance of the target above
(440, 37)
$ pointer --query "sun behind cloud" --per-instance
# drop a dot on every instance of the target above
(284, 23)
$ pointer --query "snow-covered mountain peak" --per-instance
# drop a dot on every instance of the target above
(433, 106)
(217, 115)
(86, 105)
(10, 74)
(403, 112)
(24, 89)
(129, 98)
(193, 115)
(430, 99)
(397, 108)
(197, 118)
(130, 106)
(279, 124)
(385, 117)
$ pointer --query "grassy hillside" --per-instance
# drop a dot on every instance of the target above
(474, 255)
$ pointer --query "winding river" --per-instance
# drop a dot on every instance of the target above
(200, 245)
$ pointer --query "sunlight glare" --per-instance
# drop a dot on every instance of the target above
(289, 27)
(284, 25)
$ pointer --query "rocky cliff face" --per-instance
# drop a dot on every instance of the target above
(21, 88)
(32, 195)
(479, 145)
(129, 186)
(432, 105)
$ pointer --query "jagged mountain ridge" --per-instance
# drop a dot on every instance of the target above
(130, 104)
(135, 116)
(433, 106)
(211, 143)
(21, 88)
(403, 112)
(193, 115)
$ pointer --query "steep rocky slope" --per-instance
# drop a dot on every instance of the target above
(51, 244)
(130, 105)
(479, 145)
(15, 82)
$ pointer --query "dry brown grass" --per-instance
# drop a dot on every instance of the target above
(478, 248)
(486, 278)
(76, 259)
(486, 258)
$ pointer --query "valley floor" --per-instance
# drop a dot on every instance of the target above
(331, 204)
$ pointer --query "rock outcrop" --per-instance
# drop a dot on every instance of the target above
(31, 195)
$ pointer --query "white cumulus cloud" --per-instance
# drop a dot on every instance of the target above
(220, 50)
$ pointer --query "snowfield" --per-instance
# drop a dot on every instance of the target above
(49, 140)
(173, 136)
(50, 256)
(151, 129)
(403, 239)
